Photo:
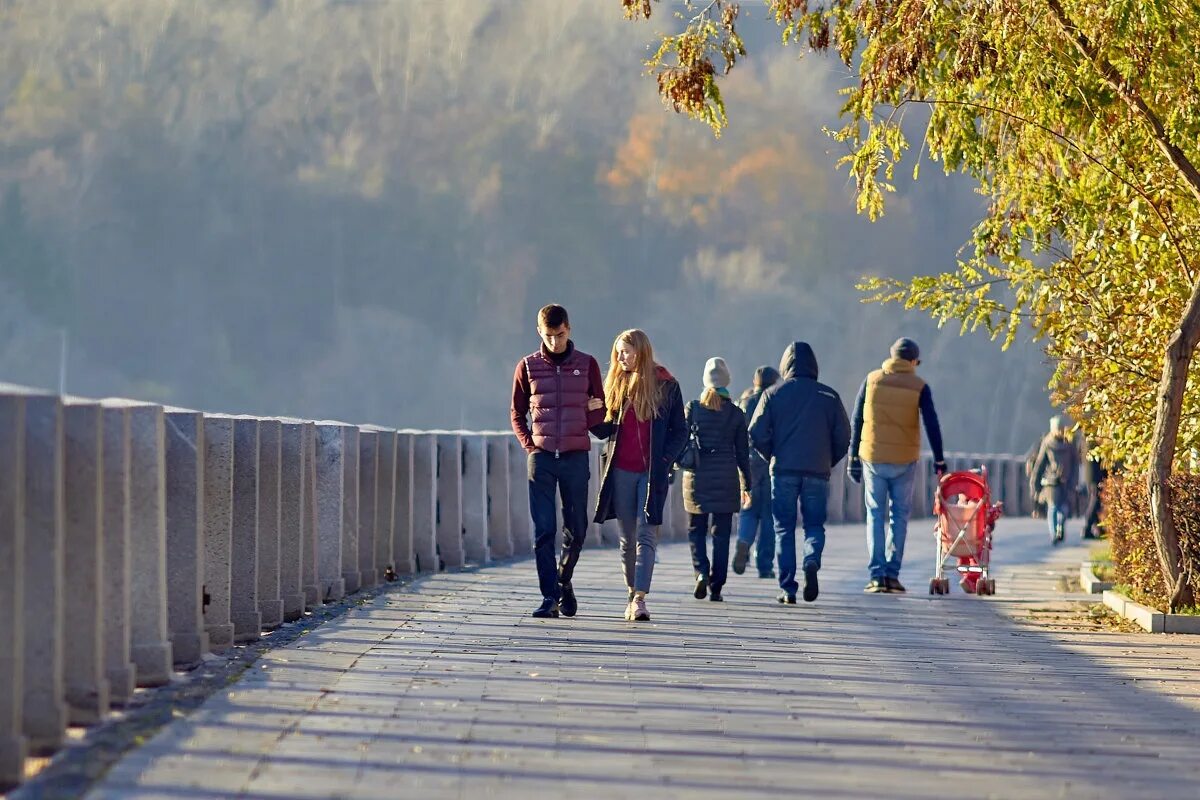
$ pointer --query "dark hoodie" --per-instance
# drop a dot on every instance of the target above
(800, 424)
(764, 378)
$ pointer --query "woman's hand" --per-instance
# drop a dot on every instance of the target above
(595, 404)
(745, 500)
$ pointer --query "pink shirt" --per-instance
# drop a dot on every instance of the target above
(633, 443)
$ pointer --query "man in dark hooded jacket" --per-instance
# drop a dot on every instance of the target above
(755, 521)
(801, 428)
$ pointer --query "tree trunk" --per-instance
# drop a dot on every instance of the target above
(1167, 416)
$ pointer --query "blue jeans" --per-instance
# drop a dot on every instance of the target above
(1056, 515)
(756, 522)
(788, 489)
(888, 489)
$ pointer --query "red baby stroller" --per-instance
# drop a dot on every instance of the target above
(966, 518)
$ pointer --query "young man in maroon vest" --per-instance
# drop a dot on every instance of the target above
(553, 387)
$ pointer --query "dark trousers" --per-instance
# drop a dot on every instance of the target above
(1091, 526)
(717, 570)
(569, 474)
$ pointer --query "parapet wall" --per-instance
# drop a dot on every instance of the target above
(135, 538)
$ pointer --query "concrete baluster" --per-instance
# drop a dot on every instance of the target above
(244, 610)
(218, 530)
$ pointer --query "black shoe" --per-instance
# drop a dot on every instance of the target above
(546, 610)
(811, 588)
(567, 603)
(741, 555)
(876, 586)
(894, 585)
(715, 595)
(701, 587)
(769, 575)
(786, 599)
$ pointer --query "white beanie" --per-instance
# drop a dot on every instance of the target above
(716, 374)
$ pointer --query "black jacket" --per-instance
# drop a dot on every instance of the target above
(715, 486)
(759, 467)
(800, 424)
(668, 435)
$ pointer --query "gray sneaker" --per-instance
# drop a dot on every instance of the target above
(640, 614)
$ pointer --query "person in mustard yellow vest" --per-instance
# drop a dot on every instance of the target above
(885, 447)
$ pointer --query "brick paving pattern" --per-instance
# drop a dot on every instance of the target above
(447, 689)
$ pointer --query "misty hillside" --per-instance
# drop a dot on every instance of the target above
(354, 209)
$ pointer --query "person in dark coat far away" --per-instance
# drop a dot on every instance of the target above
(801, 427)
(755, 523)
(718, 487)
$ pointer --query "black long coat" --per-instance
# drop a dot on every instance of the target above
(715, 486)
(668, 435)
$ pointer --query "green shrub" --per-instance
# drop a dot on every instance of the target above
(1127, 521)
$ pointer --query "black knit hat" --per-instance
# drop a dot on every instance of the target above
(906, 349)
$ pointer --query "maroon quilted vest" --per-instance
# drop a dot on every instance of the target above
(558, 398)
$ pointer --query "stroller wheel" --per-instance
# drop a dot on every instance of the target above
(935, 586)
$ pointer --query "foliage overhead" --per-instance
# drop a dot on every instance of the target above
(1079, 120)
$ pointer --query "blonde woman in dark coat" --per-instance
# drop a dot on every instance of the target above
(720, 485)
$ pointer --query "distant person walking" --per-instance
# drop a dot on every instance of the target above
(719, 485)
(646, 431)
(554, 385)
(885, 447)
(1094, 475)
(755, 523)
(1055, 473)
(800, 427)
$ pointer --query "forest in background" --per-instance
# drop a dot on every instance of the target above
(352, 210)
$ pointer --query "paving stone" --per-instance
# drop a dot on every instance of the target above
(446, 688)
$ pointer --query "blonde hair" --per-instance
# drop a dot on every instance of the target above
(640, 388)
(711, 399)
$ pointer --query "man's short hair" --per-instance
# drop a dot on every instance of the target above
(552, 317)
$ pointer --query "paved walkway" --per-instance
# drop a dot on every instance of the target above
(447, 689)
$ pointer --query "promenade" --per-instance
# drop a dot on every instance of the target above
(445, 688)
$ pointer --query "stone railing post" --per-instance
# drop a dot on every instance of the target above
(118, 638)
(270, 602)
(45, 711)
(498, 497)
(308, 532)
(243, 587)
(291, 518)
(151, 647)
(839, 488)
(185, 535)
(13, 746)
(350, 568)
(449, 496)
(475, 499)
(425, 502)
(218, 530)
(330, 452)
(83, 562)
(368, 488)
(402, 508)
(385, 505)
(521, 526)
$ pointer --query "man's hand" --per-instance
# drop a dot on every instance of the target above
(745, 500)
(939, 468)
(595, 404)
(854, 469)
